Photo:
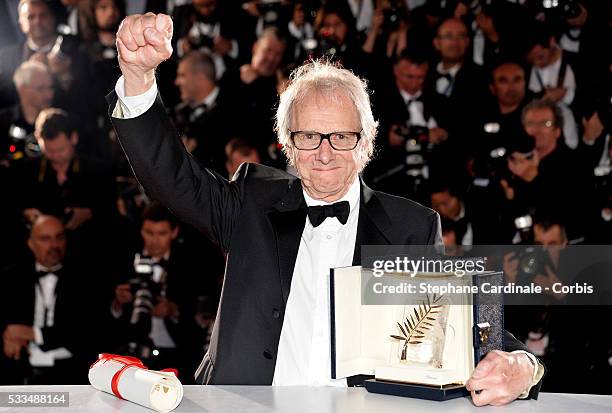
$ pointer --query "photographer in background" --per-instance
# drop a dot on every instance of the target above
(34, 85)
(252, 89)
(412, 118)
(51, 318)
(550, 177)
(61, 183)
(387, 35)
(206, 25)
(165, 309)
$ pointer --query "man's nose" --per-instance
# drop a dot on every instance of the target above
(325, 153)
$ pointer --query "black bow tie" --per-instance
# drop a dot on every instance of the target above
(340, 210)
(447, 76)
(43, 273)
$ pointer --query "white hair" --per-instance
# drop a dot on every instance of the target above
(27, 70)
(322, 76)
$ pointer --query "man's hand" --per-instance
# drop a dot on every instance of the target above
(593, 128)
(248, 74)
(511, 264)
(78, 218)
(547, 281)
(222, 45)
(123, 295)
(555, 94)
(18, 332)
(395, 138)
(143, 42)
(500, 378)
(12, 348)
(437, 135)
(165, 308)
(31, 214)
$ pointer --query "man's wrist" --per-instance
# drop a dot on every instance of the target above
(537, 372)
(137, 83)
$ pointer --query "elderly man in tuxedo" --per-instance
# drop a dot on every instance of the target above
(282, 233)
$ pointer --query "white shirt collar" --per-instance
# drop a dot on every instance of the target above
(452, 71)
(41, 268)
(209, 100)
(408, 97)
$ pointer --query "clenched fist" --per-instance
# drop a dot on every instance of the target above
(143, 42)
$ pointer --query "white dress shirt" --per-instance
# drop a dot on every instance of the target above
(550, 78)
(303, 356)
(416, 110)
(443, 85)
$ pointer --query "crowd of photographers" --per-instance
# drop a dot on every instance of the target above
(493, 112)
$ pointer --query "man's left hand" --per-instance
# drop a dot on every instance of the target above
(500, 378)
(19, 332)
(222, 45)
(165, 308)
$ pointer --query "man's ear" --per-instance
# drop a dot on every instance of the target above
(175, 232)
(436, 43)
(30, 244)
(74, 138)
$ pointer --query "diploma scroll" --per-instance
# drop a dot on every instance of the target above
(127, 378)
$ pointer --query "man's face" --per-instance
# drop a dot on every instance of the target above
(409, 76)
(60, 150)
(540, 125)
(48, 241)
(452, 41)
(508, 84)
(326, 173)
(188, 82)
(540, 56)
(267, 55)
(447, 205)
(39, 92)
(551, 238)
(157, 237)
(334, 27)
(205, 7)
(107, 15)
(37, 22)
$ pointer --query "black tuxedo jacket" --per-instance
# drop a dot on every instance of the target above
(258, 218)
(76, 308)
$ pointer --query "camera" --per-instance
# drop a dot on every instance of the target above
(324, 46)
(146, 286)
(21, 144)
(201, 35)
(567, 9)
(271, 11)
(392, 19)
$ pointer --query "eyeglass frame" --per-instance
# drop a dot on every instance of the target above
(323, 136)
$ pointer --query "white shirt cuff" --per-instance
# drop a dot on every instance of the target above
(38, 337)
(538, 372)
(129, 107)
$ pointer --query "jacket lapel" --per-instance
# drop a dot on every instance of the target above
(288, 218)
(373, 224)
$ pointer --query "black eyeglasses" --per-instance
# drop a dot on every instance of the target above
(309, 140)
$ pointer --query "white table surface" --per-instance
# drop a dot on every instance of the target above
(265, 399)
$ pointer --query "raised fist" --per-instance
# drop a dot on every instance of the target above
(143, 42)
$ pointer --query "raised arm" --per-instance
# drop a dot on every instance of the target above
(195, 195)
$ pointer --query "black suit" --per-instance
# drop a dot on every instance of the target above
(75, 321)
(259, 217)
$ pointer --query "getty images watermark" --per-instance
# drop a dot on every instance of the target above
(518, 275)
